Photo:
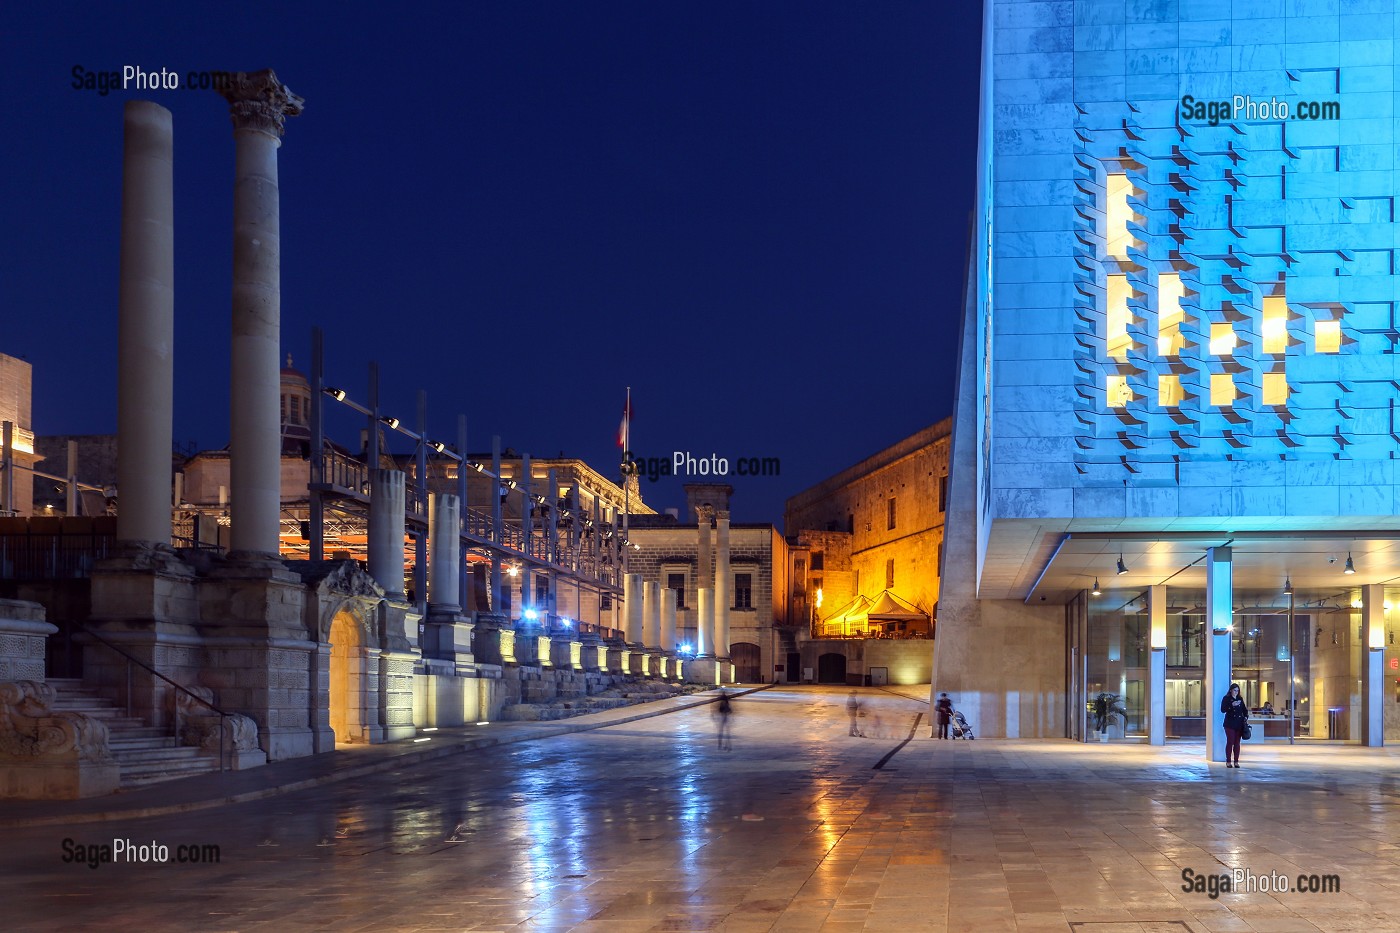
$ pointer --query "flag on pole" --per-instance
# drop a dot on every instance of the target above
(625, 428)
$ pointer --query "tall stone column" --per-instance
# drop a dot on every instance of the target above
(668, 619)
(386, 515)
(444, 537)
(704, 570)
(724, 585)
(259, 104)
(146, 326)
(705, 622)
(635, 596)
(1372, 661)
(1220, 621)
(1157, 666)
(651, 612)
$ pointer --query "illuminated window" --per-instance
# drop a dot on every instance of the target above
(1118, 393)
(1275, 325)
(1275, 389)
(1222, 340)
(1118, 215)
(1169, 314)
(1169, 391)
(1118, 316)
(1222, 389)
(1328, 336)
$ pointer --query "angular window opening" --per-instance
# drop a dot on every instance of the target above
(1275, 325)
(1169, 391)
(1327, 337)
(1118, 393)
(1222, 340)
(1118, 214)
(1170, 317)
(1222, 389)
(1275, 389)
(1118, 316)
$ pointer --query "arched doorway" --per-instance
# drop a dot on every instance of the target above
(831, 669)
(748, 662)
(346, 694)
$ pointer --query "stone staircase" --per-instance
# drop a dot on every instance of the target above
(146, 754)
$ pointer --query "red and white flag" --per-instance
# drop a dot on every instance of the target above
(624, 430)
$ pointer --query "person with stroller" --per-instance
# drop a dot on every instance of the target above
(853, 710)
(943, 709)
(1236, 722)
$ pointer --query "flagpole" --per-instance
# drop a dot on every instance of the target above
(626, 484)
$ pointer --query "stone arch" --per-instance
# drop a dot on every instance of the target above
(831, 668)
(348, 695)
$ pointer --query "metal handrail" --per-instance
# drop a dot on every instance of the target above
(223, 716)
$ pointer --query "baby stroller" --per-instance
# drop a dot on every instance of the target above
(961, 730)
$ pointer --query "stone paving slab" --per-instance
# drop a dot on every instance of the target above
(221, 789)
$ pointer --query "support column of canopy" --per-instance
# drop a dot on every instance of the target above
(386, 528)
(1157, 666)
(1219, 625)
(1372, 665)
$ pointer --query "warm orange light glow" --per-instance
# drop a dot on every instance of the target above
(1118, 392)
(1328, 337)
(1275, 329)
(1170, 316)
(1117, 216)
(1275, 389)
(1222, 340)
(1169, 391)
(819, 597)
(1222, 389)
(1118, 317)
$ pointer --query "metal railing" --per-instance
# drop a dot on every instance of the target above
(223, 716)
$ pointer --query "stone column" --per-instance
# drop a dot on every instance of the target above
(668, 619)
(444, 537)
(259, 104)
(651, 610)
(704, 571)
(386, 505)
(705, 622)
(1219, 621)
(634, 606)
(1157, 666)
(1372, 665)
(724, 585)
(146, 326)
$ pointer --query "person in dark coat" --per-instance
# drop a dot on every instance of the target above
(1101, 713)
(1236, 717)
(944, 709)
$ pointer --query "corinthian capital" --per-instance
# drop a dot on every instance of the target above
(258, 101)
(705, 513)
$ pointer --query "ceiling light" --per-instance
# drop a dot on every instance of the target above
(1122, 567)
(393, 423)
(1287, 586)
(337, 394)
(1096, 591)
(1350, 567)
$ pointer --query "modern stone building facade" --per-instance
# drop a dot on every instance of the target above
(1176, 393)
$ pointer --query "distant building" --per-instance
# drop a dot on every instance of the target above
(16, 461)
(865, 549)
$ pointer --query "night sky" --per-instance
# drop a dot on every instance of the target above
(754, 214)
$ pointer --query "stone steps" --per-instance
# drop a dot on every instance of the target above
(146, 754)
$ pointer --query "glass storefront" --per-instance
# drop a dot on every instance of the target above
(1297, 661)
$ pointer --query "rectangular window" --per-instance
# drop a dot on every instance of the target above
(676, 581)
(890, 513)
(1170, 316)
(542, 591)
(1118, 317)
(1275, 389)
(743, 591)
(1118, 393)
(1118, 214)
(943, 493)
(850, 524)
(889, 574)
(1222, 389)
(1222, 340)
(1275, 325)
(1169, 391)
(1327, 336)
(818, 561)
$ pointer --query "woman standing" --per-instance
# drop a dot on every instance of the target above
(1236, 716)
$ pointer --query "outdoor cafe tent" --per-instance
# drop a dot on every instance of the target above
(851, 614)
(888, 607)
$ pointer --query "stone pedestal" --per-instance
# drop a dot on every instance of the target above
(447, 636)
(566, 654)
(599, 660)
(259, 655)
(23, 634)
(702, 671)
(493, 641)
(620, 661)
(51, 754)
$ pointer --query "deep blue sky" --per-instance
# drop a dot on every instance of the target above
(754, 214)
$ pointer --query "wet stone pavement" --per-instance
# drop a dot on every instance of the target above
(648, 825)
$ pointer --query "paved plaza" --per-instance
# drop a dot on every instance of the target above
(647, 825)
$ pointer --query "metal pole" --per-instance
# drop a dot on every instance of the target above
(497, 531)
(420, 549)
(317, 518)
(73, 505)
(372, 442)
(1292, 686)
(462, 513)
(7, 438)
